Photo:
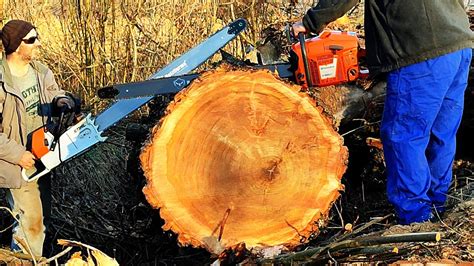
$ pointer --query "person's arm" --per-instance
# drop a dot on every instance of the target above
(10, 150)
(323, 13)
(51, 85)
(15, 153)
(60, 98)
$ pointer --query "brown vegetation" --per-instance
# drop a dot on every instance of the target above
(90, 44)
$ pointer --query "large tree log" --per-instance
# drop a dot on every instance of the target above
(242, 156)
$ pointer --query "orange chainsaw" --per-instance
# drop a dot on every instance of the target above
(331, 58)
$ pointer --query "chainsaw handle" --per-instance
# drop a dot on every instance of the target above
(290, 35)
(34, 173)
(301, 39)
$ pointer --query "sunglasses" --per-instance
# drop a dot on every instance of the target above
(30, 40)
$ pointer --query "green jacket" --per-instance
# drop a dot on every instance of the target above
(12, 119)
(401, 32)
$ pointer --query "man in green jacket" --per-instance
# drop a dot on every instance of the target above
(424, 47)
(27, 91)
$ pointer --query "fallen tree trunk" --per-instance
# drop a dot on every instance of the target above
(242, 156)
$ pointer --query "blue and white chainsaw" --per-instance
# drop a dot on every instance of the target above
(51, 151)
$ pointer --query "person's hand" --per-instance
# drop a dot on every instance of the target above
(27, 160)
(65, 103)
(297, 28)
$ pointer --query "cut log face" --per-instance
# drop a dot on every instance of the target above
(242, 156)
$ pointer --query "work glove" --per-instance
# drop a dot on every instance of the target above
(66, 104)
(66, 111)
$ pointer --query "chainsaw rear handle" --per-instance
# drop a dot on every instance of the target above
(34, 173)
(74, 141)
(304, 56)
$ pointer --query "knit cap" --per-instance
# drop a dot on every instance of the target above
(13, 32)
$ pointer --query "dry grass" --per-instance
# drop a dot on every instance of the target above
(89, 44)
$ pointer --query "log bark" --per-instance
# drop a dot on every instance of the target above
(347, 102)
(242, 156)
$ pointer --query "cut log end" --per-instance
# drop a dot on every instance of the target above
(243, 157)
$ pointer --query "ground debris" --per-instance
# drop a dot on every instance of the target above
(454, 246)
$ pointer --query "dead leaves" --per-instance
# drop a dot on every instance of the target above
(94, 256)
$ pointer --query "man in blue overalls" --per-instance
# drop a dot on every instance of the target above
(424, 46)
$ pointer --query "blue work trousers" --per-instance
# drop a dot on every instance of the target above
(423, 110)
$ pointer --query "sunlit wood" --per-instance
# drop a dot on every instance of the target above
(242, 156)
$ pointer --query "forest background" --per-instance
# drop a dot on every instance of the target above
(89, 44)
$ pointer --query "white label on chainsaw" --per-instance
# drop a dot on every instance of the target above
(329, 70)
